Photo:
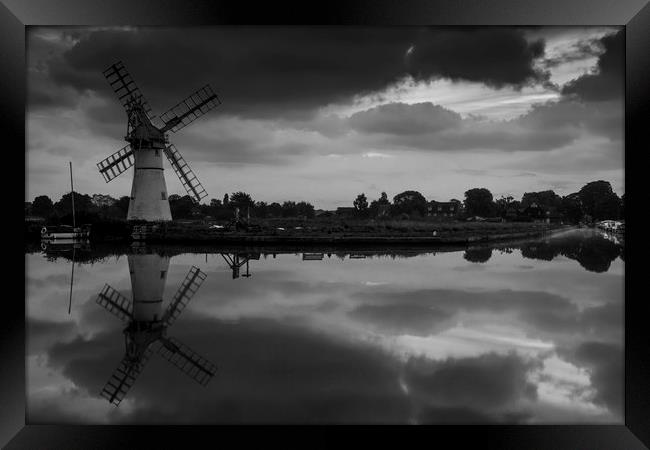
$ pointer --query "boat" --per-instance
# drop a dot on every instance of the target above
(66, 232)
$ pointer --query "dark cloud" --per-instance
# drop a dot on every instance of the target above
(608, 81)
(288, 72)
(267, 372)
(605, 363)
(405, 119)
(548, 315)
(489, 383)
(546, 126)
(418, 320)
(495, 56)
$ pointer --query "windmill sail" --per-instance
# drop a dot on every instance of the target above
(188, 179)
(124, 86)
(187, 360)
(117, 163)
(123, 378)
(190, 109)
(115, 303)
(184, 294)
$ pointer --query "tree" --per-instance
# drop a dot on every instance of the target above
(545, 199)
(361, 204)
(241, 200)
(274, 210)
(379, 206)
(225, 200)
(571, 207)
(478, 202)
(599, 200)
(502, 205)
(305, 209)
(42, 206)
(181, 207)
(82, 203)
(410, 202)
(289, 209)
(622, 213)
(261, 209)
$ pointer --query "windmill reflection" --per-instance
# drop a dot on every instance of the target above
(238, 260)
(147, 326)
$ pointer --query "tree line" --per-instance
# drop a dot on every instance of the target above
(594, 201)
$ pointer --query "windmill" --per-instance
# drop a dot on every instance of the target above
(147, 141)
(146, 330)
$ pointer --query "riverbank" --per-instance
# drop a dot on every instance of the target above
(314, 232)
(394, 233)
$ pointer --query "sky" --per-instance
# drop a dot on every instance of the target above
(322, 114)
(534, 335)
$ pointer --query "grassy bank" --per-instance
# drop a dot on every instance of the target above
(348, 232)
(330, 231)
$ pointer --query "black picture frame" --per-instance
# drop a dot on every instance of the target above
(15, 15)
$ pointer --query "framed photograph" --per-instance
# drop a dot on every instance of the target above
(414, 217)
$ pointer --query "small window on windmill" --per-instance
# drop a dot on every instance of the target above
(157, 152)
(162, 274)
(163, 195)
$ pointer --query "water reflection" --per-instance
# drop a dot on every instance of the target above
(238, 260)
(147, 326)
(493, 334)
(595, 251)
(478, 254)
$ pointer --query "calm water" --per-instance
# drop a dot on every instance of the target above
(527, 333)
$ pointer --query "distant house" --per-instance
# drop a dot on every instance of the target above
(323, 213)
(538, 213)
(346, 211)
(443, 209)
(535, 212)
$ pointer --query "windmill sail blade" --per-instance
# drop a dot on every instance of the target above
(184, 294)
(190, 109)
(187, 360)
(123, 378)
(124, 86)
(189, 180)
(115, 303)
(117, 163)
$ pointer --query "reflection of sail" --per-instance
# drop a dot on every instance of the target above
(123, 378)
(115, 303)
(187, 360)
(237, 260)
(146, 328)
(184, 294)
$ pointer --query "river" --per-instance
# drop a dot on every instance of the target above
(527, 332)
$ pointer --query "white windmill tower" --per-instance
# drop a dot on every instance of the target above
(148, 141)
(147, 324)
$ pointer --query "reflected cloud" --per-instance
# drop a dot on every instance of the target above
(310, 340)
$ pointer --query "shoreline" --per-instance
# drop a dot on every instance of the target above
(345, 239)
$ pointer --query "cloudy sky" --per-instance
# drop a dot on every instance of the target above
(525, 338)
(324, 113)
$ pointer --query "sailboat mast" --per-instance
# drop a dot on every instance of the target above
(74, 225)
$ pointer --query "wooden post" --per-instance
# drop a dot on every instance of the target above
(72, 195)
